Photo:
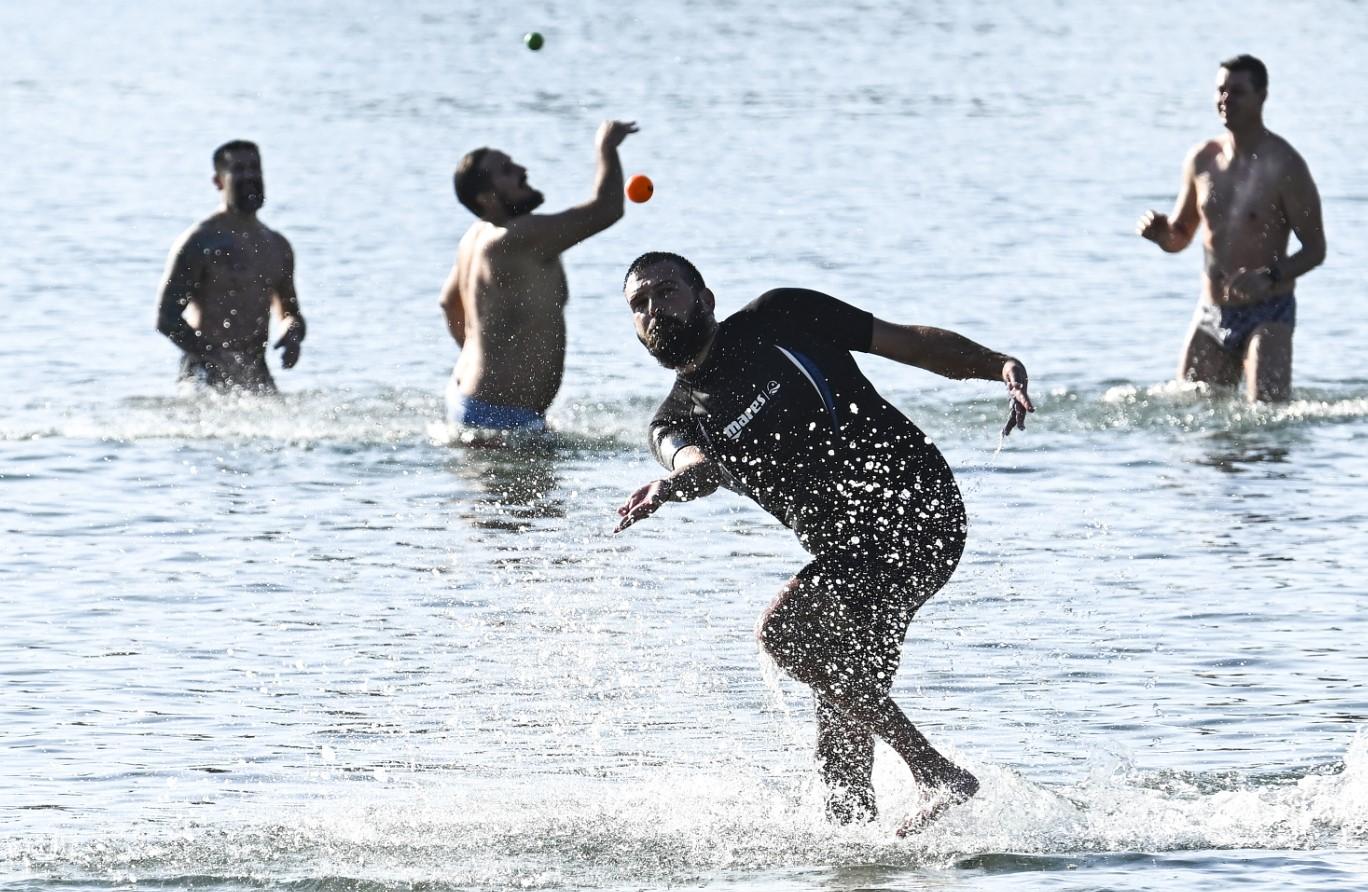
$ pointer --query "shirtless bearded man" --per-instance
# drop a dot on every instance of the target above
(1252, 190)
(505, 298)
(224, 278)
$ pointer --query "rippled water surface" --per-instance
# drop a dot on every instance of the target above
(308, 643)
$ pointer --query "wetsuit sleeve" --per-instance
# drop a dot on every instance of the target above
(816, 315)
(673, 427)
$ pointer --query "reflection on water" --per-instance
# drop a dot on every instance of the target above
(507, 488)
(1233, 451)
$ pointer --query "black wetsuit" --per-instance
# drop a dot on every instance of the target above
(783, 408)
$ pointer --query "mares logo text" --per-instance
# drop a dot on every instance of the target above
(734, 429)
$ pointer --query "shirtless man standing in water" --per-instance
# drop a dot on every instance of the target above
(1251, 189)
(223, 279)
(505, 298)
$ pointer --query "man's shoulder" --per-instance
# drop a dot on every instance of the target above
(1206, 151)
(207, 228)
(1283, 150)
(484, 238)
(198, 237)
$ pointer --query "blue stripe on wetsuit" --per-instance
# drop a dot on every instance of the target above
(814, 374)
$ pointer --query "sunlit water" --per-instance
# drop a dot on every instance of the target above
(309, 643)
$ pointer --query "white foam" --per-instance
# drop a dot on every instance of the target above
(548, 832)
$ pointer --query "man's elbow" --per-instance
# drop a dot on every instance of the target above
(609, 208)
(1315, 253)
(610, 215)
(1179, 238)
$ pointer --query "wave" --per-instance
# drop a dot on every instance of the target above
(1198, 408)
(385, 416)
(558, 832)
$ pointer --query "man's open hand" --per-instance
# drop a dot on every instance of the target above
(1014, 375)
(642, 504)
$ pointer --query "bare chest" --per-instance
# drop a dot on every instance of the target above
(1239, 194)
(243, 266)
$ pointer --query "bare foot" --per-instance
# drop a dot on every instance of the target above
(958, 789)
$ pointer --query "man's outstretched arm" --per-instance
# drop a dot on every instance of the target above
(952, 355)
(694, 476)
(550, 235)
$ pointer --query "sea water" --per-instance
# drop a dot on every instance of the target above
(310, 643)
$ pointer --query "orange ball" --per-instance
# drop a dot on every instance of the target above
(640, 188)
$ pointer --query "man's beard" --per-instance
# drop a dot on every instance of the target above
(526, 206)
(673, 342)
(249, 196)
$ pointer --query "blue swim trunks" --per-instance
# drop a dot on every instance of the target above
(1232, 326)
(465, 411)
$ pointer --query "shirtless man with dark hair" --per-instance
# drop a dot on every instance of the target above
(505, 298)
(223, 280)
(769, 402)
(1252, 190)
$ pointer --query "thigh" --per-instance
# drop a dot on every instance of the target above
(840, 619)
(1206, 361)
(1268, 363)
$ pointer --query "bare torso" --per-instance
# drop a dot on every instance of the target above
(514, 307)
(1239, 198)
(238, 272)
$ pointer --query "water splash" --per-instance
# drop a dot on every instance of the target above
(678, 827)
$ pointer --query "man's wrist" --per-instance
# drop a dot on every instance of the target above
(685, 485)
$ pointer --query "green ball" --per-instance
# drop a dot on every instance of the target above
(533, 40)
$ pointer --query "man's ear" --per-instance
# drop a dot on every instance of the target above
(709, 300)
(217, 181)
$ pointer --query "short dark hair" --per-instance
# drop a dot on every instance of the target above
(471, 179)
(1258, 73)
(236, 145)
(691, 274)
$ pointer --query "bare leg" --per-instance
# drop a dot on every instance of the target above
(1206, 361)
(845, 753)
(1268, 364)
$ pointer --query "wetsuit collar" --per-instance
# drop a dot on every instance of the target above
(704, 356)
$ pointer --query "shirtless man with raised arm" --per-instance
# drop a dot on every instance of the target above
(224, 278)
(770, 402)
(505, 297)
(1252, 190)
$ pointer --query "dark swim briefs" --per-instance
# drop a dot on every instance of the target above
(228, 370)
(1231, 326)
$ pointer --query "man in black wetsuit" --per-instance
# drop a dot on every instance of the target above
(770, 403)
